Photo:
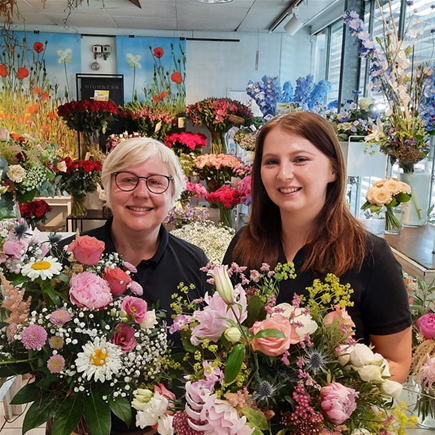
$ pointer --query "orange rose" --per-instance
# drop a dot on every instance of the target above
(118, 280)
(274, 346)
(87, 250)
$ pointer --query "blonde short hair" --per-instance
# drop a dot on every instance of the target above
(138, 150)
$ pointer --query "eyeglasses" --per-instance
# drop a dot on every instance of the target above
(127, 181)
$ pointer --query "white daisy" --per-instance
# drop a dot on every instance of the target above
(100, 359)
(42, 268)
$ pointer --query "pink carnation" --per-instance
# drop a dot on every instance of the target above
(34, 337)
(88, 290)
(338, 402)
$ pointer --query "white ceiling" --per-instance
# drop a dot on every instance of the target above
(174, 15)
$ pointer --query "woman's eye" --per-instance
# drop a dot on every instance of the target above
(270, 162)
(301, 160)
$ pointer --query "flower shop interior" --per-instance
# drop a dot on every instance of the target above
(203, 76)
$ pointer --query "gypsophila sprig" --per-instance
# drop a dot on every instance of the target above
(90, 343)
(252, 365)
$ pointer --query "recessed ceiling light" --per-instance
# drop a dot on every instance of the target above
(214, 1)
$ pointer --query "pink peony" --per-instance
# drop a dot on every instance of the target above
(88, 290)
(338, 402)
(212, 319)
(87, 250)
(135, 308)
(124, 337)
(34, 337)
(274, 346)
(426, 324)
(118, 280)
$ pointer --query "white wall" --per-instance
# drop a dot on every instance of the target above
(215, 67)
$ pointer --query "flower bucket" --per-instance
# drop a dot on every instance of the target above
(78, 208)
(218, 145)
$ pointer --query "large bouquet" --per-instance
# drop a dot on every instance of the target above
(89, 116)
(405, 137)
(254, 367)
(219, 114)
(422, 303)
(82, 332)
(185, 142)
(80, 177)
(149, 119)
(387, 193)
(354, 119)
(26, 170)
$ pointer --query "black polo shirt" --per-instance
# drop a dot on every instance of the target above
(381, 305)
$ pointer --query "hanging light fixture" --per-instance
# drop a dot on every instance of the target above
(214, 1)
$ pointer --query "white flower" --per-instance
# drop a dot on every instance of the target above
(392, 388)
(16, 173)
(164, 425)
(308, 324)
(361, 355)
(133, 61)
(152, 411)
(371, 373)
(150, 320)
(65, 56)
(377, 132)
(100, 359)
(43, 268)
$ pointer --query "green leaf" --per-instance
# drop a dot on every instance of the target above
(282, 432)
(6, 207)
(234, 363)
(265, 333)
(28, 393)
(255, 307)
(255, 417)
(39, 413)
(122, 409)
(97, 414)
(68, 416)
(13, 369)
(403, 197)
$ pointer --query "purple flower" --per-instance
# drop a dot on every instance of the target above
(56, 363)
(34, 337)
(60, 317)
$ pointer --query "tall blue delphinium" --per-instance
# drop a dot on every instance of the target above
(303, 89)
(287, 92)
(318, 94)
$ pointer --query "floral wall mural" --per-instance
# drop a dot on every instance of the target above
(154, 69)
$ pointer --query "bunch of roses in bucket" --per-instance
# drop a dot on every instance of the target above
(254, 367)
(35, 211)
(84, 334)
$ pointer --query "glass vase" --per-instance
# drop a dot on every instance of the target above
(78, 208)
(225, 216)
(218, 145)
(394, 218)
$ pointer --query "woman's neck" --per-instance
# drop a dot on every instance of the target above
(138, 247)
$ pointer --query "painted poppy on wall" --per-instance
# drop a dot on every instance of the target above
(22, 73)
(38, 47)
(158, 52)
(3, 71)
(176, 77)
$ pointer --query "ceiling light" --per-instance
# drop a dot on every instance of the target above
(214, 1)
(294, 24)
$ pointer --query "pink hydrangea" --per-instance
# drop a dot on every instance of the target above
(338, 402)
(34, 337)
(90, 291)
(60, 317)
(56, 364)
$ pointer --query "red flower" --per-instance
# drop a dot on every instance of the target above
(158, 52)
(38, 47)
(163, 95)
(22, 73)
(3, 71)
(176, 77)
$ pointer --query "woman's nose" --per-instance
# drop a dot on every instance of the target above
(285, 171)
(141, 189)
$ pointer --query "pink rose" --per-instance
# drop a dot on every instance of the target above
(88, 290)
(344, 320)
(87, 250)
(274, 346)
(338, 402)
(118, 280)
(426, 324)
(124, 337)
(135, 308)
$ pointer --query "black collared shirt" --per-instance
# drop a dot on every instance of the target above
(381, 305)
(175, 261)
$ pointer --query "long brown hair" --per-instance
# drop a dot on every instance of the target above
(337, 242)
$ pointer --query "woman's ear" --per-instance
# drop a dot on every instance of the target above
(333, 177)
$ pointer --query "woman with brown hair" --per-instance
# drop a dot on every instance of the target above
(299, 214)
